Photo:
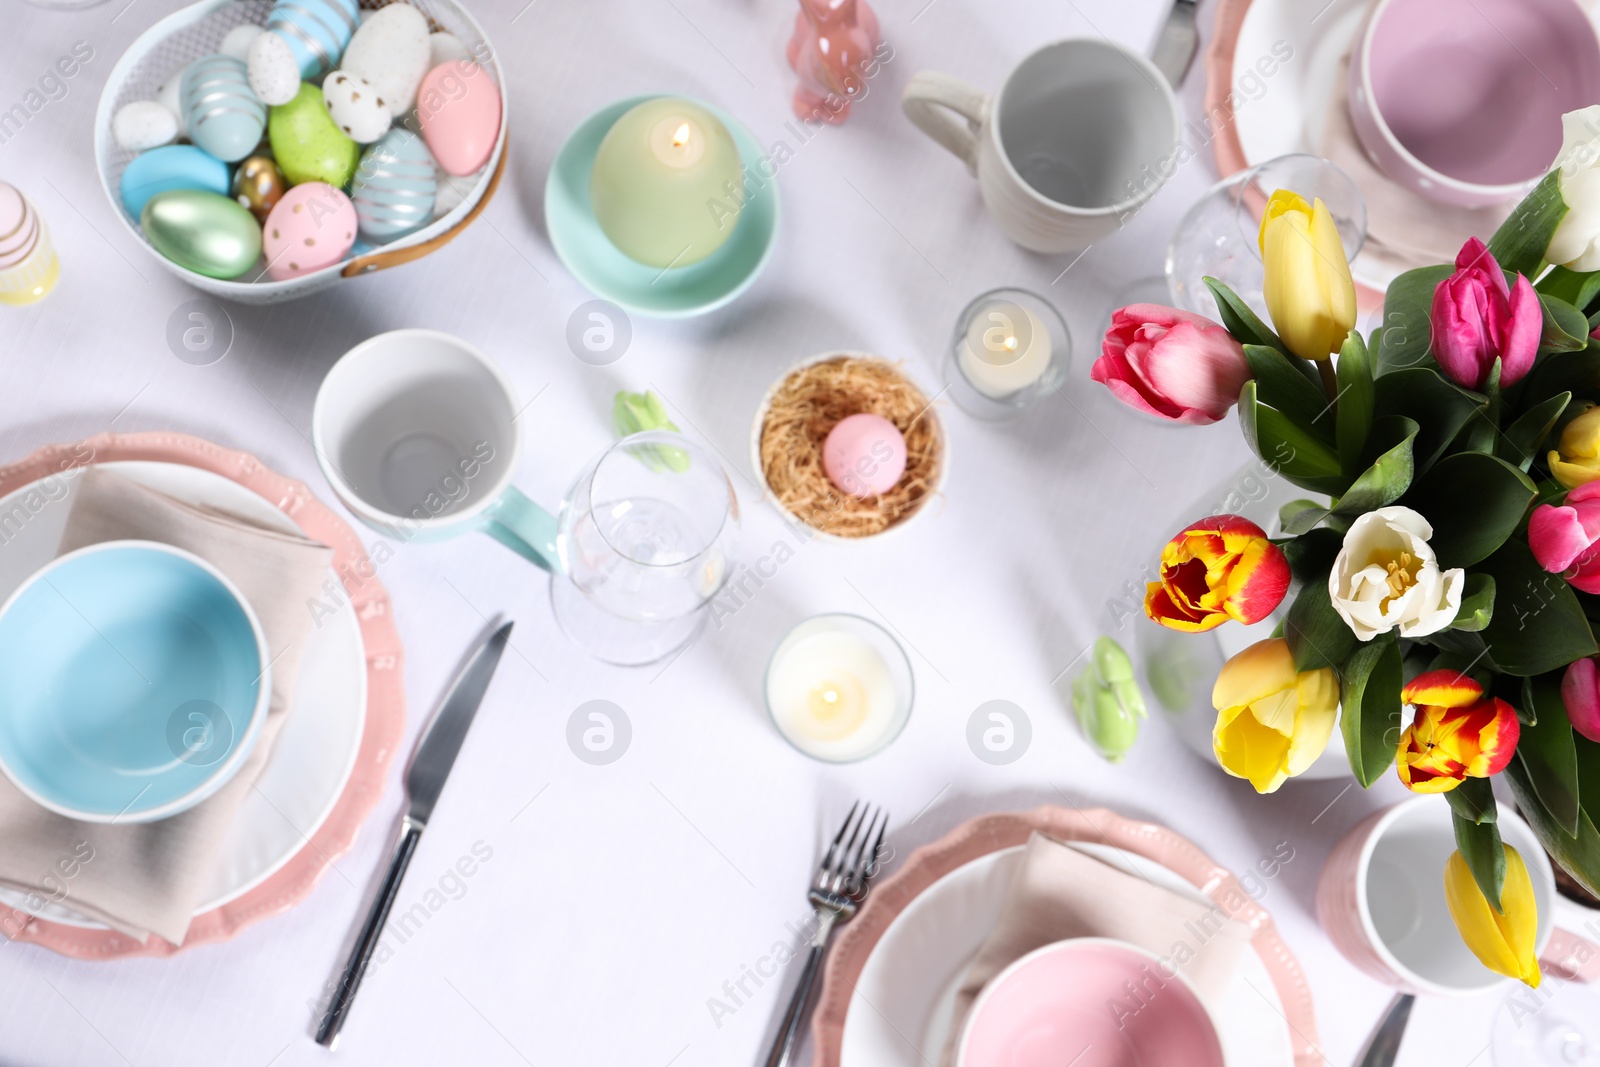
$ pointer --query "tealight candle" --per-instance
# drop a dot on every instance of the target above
(839, 688)
(667, 183)
(1006, 349)
(864, 455)
(28, 264)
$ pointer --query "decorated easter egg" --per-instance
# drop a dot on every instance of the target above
(445, 48)
(458, 107)
(258, 185)
(452, 190)
(390, 50)
(356, 107)
(272, 69)
(173, 166)
(316, 31)
(864, 455)
(239, 39)
(201, 231)
(222, 113)
(167, 96)
(394, 187)
(312, 227)
(307, 144)
(143, 124)
(28, 264)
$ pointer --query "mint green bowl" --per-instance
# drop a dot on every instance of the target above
(681, 291)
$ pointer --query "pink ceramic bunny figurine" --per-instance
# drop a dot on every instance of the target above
(833, 42)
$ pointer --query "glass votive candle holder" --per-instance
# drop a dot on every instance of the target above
(1009, 348)
(839, 688)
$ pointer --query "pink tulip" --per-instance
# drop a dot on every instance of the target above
(1563, 537)
(1477, 318)
(1580, 692)
(1171, 364)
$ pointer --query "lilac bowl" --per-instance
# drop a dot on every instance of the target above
(1461, 100)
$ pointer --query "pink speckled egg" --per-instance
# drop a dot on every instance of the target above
(312, 227)
(458, 106)
(864, 455)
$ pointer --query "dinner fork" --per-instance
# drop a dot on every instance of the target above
(843, 878)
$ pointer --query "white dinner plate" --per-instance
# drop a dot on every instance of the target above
(316, 748)
(907, 989)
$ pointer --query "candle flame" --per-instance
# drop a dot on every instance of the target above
(831, 696)
(680, 137)
(1011, 344)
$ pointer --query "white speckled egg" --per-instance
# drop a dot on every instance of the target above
(316, 31)
(274, 74)
(452, 190)
(312, 227)
(395, 186)
(167, 96)
(356, 107)
(143, 124)
(224, 117)
(445, 48)
(390, 50)
(239, 39)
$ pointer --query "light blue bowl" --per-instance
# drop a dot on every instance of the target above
(133, 682)
(681, 291)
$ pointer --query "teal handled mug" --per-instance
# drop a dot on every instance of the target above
(417, 432)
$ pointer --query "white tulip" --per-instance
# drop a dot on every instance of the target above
(1387, 576)
(1576, 244)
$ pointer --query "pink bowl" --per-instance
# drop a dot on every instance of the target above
(1090, 1002)
(1461, 100)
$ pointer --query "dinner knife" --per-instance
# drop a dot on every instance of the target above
(1179, 41)
(435, 754)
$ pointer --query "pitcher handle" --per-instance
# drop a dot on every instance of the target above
(928, 101)
(525, 528)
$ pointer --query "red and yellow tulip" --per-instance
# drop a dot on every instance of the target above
(1219, 568)
(1502, 940)
(1458, 733)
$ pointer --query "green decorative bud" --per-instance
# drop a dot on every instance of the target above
(633, 413)
(1107, 700)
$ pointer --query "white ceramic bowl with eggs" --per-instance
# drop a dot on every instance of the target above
(198, 30)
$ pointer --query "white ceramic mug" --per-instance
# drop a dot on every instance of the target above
(1080, 136)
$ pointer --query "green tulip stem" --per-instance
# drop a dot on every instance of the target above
(1330, 384)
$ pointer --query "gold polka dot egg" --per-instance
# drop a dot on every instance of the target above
(312, 227)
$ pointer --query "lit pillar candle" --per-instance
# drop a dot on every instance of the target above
(664, 177)
(1006, 348)
(28, 264)
(836, 690)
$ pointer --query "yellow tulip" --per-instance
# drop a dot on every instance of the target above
(1273, 721)
(1308, 288)
(1577, 460)
(1502, 940)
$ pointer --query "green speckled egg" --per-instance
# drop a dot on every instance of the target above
(308, 145)
(202, 231)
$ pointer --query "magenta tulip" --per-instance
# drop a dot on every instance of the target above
(1171, 364)
(1477, 318)
(1580, 692)
(1563, 537)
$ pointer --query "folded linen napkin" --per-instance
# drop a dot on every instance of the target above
(147, 878)
(1059, 892)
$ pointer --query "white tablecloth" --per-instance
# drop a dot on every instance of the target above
(616, 901)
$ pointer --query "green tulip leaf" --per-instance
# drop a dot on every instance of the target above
(1317, 636)
(1473, 800)
(1369, 716)
(1566, 329)
(1407, 334)
(1577, 373)
(1479, 844)
(1477, 604)
(1577, 853)
(1389, 476)
(1301, 516)
(1282, 385)
(1473, 502)
(1312, 554)
(1356, 397)
(1520, 442)
(1439, 408)
(1519, 244)
(1538, 624)
(1245, 325)
(1577, 289)
(1295, 453)
(1547, 750)
(1482, 433)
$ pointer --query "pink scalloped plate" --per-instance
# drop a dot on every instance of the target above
(993, 833)
(385, 711)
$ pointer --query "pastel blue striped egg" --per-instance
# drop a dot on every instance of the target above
(316, 31)
(222, 114)
(173, 166)
(395, 186)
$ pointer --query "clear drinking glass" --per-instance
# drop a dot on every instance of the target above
(1556, 1025)
(645, 539)
(1219, 237)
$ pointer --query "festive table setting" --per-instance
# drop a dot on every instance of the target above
(1006, 515)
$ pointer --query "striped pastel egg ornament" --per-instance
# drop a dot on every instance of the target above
(395, 186)
(222, 114)
(316, 31)
(28, 264)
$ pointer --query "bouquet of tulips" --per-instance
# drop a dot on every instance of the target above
(1445, 574)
